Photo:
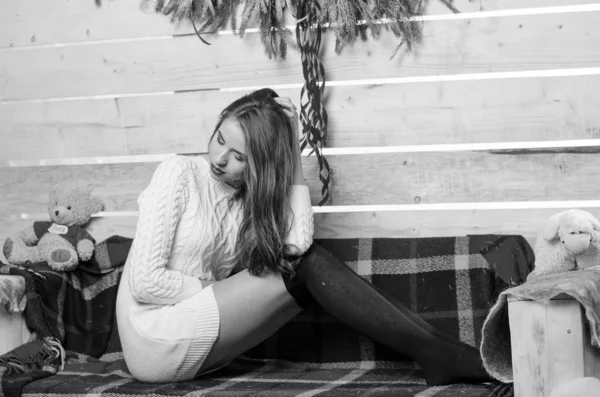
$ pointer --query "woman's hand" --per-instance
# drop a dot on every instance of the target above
(206, 283)
(290, 110)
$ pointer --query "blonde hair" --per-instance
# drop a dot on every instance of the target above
(264, 188)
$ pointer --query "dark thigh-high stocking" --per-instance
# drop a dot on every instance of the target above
(357, 303)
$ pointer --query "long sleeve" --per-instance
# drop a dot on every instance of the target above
(300, 237)
(160, 207)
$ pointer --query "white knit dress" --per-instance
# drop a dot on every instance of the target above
(167, 322)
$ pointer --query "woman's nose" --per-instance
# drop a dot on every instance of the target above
(222, 158)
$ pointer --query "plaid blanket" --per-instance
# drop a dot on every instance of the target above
(109, 377)
(73, 311)
(450, 282)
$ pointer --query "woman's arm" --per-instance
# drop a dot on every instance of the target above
(300, 237)
(160, 207)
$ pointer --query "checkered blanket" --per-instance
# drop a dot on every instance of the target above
(73, 311)
(450, 282)
(108, 377)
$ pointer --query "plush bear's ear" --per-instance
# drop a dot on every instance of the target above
(55, 190)
(595, 224)
(551, 230)
(96, 204)
(87, 188)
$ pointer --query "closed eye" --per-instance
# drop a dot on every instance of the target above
(241, 157)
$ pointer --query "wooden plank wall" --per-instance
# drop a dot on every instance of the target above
(489, 126)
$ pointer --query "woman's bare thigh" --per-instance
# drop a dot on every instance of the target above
(251, 308)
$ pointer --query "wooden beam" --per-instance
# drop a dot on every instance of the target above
(366, 179)
(374, 224)
(537, 109)
(38, 22)
(520, 43)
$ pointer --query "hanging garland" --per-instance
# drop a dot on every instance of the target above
(312, 110)
(350, 19)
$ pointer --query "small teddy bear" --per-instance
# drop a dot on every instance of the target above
(62, 243)
(570, 241)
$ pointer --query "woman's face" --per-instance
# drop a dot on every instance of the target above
(227, 153)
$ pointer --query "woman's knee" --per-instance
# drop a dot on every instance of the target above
(317, 256)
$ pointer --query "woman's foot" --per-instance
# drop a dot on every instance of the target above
(456, 364)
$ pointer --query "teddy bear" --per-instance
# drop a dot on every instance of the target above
(61, 242)
(570, 241)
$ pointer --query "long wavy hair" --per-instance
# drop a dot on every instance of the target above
(265, 184)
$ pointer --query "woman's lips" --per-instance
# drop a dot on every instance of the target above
(215, 170)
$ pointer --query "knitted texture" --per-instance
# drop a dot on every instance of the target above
(182, 213)
(186, 231)
(161, 205)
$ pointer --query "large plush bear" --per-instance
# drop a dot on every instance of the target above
(61, 242)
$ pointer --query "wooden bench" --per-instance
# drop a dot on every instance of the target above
(489, 126)
(13, 331)
(550, 345)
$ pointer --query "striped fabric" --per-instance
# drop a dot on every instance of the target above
(247, 377)
(450, 282)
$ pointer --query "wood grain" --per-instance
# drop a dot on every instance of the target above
(536, 109)
(184, 63)
(38, 22)
(13, 331)
(388, 224)
(396, 178)
(179, 123)
(550, 344)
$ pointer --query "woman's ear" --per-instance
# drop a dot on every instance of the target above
(596, 224)
(551, 230)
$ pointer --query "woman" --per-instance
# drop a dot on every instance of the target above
(182, 310)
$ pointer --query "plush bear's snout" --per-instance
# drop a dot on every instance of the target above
(577, 243)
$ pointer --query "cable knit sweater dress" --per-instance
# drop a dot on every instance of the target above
(167, 322)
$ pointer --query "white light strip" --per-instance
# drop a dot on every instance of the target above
(155, 158)
(510, 205)
(89, 97)
(514, 12)
(105, 214)
(460, 147)
(460, 16)
(514, 205)
(440, 17)
(571, 72)
(143, 158)
(440, 78)
(84, 43)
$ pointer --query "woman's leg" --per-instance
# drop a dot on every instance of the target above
(251, 308)
(355, 302)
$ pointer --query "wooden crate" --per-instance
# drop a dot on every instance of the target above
(13, 331)
(550, 345)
